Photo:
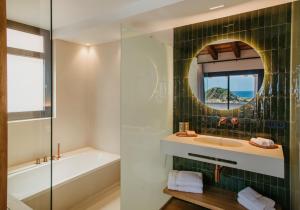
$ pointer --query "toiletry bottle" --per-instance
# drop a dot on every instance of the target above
(186, 126)
(181, 126)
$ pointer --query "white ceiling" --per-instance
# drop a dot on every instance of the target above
(99, 21)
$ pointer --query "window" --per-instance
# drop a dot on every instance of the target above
(28, 72)
(230, 90)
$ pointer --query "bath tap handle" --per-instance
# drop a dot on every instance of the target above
(38, 161)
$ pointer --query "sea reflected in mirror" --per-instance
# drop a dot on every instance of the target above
(226, 74)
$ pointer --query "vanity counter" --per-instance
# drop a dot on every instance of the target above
(228, 152)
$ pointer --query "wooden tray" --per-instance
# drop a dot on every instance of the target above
(275, 146)
(183, 134)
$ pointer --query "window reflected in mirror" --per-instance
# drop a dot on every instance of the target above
(226, 74)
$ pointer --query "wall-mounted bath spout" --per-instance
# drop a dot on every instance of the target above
(218, 170)
(58, 152)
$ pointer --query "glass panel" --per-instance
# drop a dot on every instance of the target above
(146, 117)
(242, 89)
(29, 141)
(25, 41)
(216, 92)
(25, 84)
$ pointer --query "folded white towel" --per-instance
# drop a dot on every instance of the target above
(254, 201)
(172, 178)
(268, 201)
(189, 178)
(190, 189)
(249, 194)
(185, 181)
(262, 141)
(254, 205)
(268, 141)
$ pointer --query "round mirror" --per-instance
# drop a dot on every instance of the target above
(226, 74)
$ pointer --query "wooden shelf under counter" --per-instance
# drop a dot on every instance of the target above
(177, 204)
(212, 198)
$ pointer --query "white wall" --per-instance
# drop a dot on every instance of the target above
(71, 123)
(104, 96)
(28, 140)
(87, 111)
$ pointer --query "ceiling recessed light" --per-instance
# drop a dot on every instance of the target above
(217, 7)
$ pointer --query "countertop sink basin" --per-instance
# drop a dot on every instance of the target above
(217, 141)
(234, 153)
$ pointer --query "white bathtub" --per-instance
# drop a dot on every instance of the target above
(76, 176)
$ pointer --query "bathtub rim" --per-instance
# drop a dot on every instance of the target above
(29, 166)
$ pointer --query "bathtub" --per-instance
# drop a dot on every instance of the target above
(76, 176)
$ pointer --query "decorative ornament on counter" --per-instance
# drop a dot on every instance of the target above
(234, 121)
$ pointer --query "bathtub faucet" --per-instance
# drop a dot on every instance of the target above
(58, 152)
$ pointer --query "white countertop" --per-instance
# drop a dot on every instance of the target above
(234, 153)
(245, 148)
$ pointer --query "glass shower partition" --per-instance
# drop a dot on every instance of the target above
(29, 84)
(146, 117)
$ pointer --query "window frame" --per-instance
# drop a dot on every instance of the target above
(46, 56)
(259, 72)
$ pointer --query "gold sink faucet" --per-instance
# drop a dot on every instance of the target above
(222, 121)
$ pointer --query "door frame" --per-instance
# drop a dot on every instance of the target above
(3, 107)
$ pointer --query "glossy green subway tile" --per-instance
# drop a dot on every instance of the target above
(267, 16)
(261, 18)
(275, 36)
(282, 14)
(267, 38)
(254, 19)
(271, 37)
(282, 36)
(275, 15)
(275, 61)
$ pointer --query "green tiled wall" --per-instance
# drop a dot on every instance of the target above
(269, 31)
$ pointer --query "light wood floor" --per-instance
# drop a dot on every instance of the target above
(107, 200)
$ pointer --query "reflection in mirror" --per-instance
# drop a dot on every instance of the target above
(226, 74)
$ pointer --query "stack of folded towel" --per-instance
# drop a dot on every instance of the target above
(262, 141)
(252, 200)
(185, 181)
